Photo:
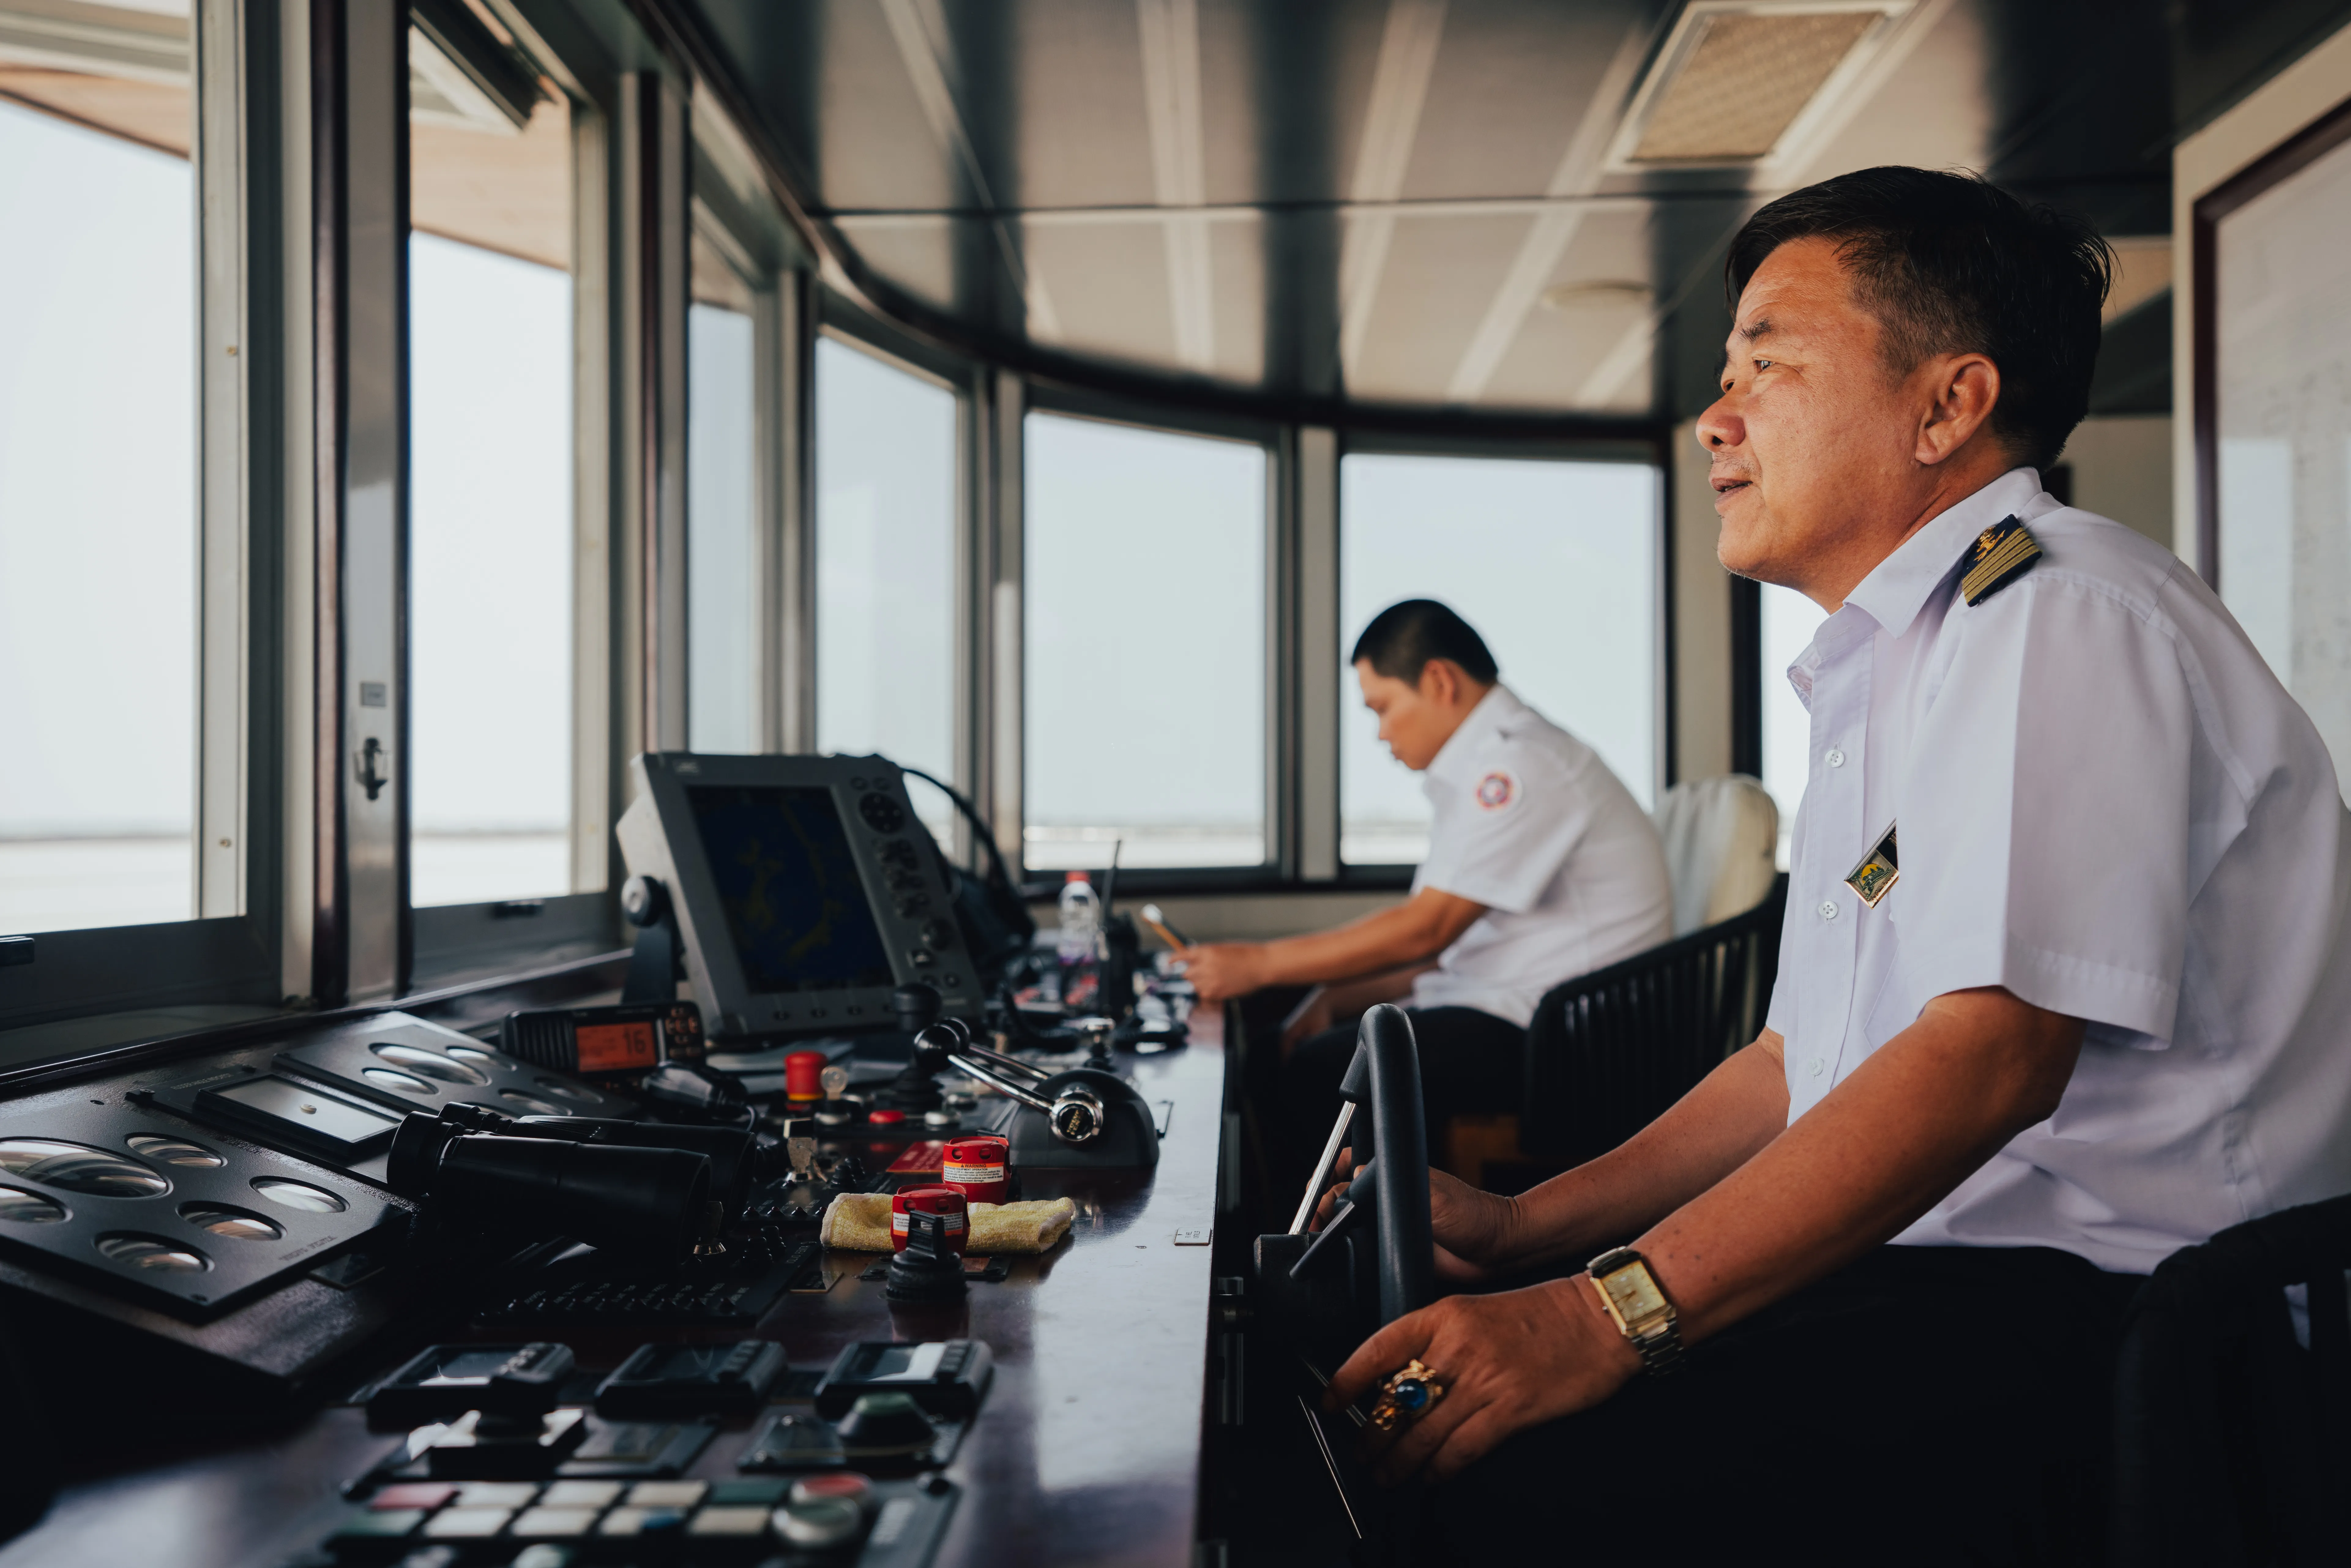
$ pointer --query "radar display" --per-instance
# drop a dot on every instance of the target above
(787, 880)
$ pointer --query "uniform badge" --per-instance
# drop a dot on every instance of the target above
(1877, 871)
(1495, 791)
(2001, 553)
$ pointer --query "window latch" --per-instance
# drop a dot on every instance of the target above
(374, 772)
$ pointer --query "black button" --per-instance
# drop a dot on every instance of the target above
(882, 813)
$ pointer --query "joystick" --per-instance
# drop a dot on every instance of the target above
(916, 1089)
(929, 1269)
(1096, 1032)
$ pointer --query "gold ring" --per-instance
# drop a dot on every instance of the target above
(1410, 1393)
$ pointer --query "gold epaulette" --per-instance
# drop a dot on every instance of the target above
(2001, 553)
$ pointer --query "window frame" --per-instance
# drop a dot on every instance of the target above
(1650, 454)
(226, 953)
(1279, 789)
(445, 944)
(843, 320)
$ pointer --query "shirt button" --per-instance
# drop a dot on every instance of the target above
(1819, 1065)
(1828, 909)
(1835, 757)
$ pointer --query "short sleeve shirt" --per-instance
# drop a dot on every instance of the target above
(2104, 802)
(1530, 822)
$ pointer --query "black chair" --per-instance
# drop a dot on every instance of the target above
(2232, 1443)
(1607, 1053)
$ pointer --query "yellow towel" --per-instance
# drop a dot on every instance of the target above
(860, 1222)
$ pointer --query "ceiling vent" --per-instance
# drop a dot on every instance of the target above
(1743, 83)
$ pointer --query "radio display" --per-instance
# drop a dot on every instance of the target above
(618, 1047)
(787, 879)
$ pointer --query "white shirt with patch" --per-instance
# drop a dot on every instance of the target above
(1530, 823)
(2104, 803)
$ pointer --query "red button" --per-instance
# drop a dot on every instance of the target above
(885, 1118)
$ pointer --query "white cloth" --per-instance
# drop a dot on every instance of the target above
(1530, 823)
(1722, 842)
(2108, 804)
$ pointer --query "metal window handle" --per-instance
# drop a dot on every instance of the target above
(374, 766)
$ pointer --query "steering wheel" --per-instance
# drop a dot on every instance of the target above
(1380, 1243)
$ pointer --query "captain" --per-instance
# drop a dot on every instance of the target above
(1541, 867)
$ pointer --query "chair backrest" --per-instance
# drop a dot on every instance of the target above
(1722, 839)
(2232, 1442)
(1607, 1053)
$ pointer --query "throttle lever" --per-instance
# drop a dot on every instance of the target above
(1358, 1199)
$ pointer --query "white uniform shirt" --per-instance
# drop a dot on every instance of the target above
(2108, 804)
(1530, 823)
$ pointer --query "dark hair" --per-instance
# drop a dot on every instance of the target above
(1403, 638)
(1950, 264)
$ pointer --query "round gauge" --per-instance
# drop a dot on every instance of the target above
(470, 1053)
(175, 1151)
(532, 1103)
(79, 1168)
(154, 1254)
(393, 1079)
(298, 1195)
(233, 1223)
(29, 1208)
(431, 1063)
(562, 1091)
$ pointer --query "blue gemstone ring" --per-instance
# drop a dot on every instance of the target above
(1410, 1394)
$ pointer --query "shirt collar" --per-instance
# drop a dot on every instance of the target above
(1460, 754)
(1896, 588)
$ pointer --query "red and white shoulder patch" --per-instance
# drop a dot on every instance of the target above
(1495, 791)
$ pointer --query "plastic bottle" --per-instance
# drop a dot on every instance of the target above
(1080, 920)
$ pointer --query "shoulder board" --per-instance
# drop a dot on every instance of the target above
(2001, 553)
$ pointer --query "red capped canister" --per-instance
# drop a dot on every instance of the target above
(803, 1075)
(944, 1201)
(977, 1165)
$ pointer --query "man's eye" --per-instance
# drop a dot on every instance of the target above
(1763, 364)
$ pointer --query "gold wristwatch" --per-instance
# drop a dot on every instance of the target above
(1642, 1313)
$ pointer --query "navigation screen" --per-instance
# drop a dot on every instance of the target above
(789, 883)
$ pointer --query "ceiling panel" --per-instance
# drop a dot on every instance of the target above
(1109, 284)
(1433, 292)
(1043, 125)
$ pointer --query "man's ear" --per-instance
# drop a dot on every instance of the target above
(1439, 682)
(1964, 388)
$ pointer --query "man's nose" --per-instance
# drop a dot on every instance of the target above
(1718, 426)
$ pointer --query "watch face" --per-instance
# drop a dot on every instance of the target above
(1632, 1292)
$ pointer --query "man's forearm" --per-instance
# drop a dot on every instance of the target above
(1410, 932)
(1717, 1127)
(1923, 1113)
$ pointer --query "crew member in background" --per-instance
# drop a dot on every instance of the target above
(1541, 867)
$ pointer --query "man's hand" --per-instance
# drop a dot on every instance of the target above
(1219, 970)
(1507, 1362)
(1472, 1228)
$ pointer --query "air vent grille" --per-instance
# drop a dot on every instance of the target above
(1743, 80)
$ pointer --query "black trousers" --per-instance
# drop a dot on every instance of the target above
(1924, 1405)
(1469, 1061)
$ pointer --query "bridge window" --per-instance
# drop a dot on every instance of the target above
(885, 566)
(99, 522)
(490, 503)
(1145, 610)
(722, 558)
(1790, 622)
(1554, 563)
